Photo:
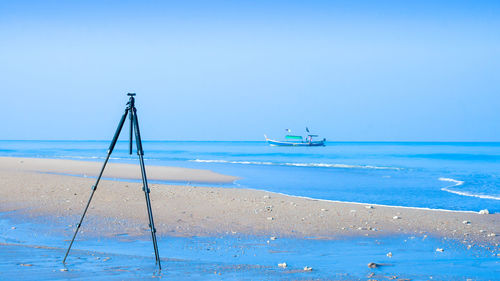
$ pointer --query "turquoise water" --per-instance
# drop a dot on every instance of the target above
(454, 176)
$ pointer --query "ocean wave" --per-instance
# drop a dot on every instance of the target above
(322, 165)
(456, 156)
(90, 157)
(464, 193)
(456, 182)
(103, 157)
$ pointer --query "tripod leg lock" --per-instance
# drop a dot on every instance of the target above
(145, 190)
(152, 228)
(78, 225)
(94, 187)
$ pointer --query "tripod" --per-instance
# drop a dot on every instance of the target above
(134, 127)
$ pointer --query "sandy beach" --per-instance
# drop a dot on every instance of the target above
(119, 207)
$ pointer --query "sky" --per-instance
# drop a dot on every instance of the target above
(235, 70)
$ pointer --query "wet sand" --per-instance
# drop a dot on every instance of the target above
(34, 251)
(119, 206)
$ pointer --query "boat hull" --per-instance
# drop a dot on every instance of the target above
(289, 143)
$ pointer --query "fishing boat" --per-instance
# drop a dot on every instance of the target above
(295, 140)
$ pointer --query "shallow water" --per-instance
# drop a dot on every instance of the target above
(33, 251)
(455, 176)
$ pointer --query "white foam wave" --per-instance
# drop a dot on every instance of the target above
(102, 157)
(456, 182)
(324, 165)
(380, 205)
(464, 193)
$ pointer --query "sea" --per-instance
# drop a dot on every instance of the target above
(459, 176)
(436, 175)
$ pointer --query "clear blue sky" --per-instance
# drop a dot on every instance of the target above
(234, 70)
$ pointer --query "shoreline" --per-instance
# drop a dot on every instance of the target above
(119, 207)
(203, 184)
(371, 204)
(172, 176)
(113, 170)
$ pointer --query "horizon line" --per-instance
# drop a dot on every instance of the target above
(337, 141)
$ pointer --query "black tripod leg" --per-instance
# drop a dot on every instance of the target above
(131, 134)
(94, 187)
(145, 187)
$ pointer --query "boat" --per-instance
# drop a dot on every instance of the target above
(295, 140)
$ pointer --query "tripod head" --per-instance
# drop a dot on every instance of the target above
(131, 101)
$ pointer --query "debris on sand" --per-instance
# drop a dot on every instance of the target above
(396, 218)
(466, 222)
